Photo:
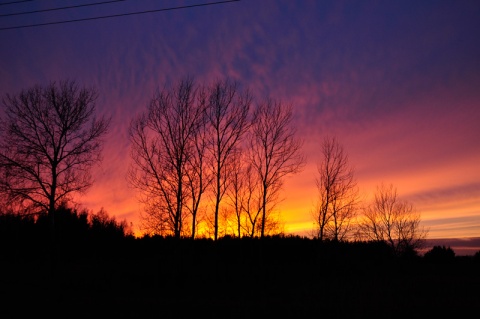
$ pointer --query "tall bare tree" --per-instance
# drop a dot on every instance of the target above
(392, 220)
(275, 151)
(50, 139)
(227, 118)
(164, 149)
(198, 175)
(337, 192)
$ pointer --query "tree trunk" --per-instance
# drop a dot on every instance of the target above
(264, 210)
(217, 202)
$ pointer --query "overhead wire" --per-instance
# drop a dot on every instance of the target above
(59, 8)
(13, 2)
(116, 15)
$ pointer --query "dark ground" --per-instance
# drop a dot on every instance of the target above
(274, 278)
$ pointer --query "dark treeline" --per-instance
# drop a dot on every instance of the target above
(99, 268)
(82, 229)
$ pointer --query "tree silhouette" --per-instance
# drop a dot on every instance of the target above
(198, 176)
(337, 192)
(440, 254)
(236, 193)
(50, 139)
(244, 196)
(246, 201)
(227, 119)
(392, 220)
(274, 151)
(166, 149)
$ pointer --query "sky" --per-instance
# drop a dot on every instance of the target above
(396, 82)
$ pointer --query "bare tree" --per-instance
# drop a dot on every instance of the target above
(337, 192)
(392, 220)
(199, 178)
(245, 197)
(50, 139)
(227, 118)
(236, 192)
(274, 150)
(164, 150)
(251, 202)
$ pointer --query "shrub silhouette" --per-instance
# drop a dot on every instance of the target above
(76, 232)
(440, 254)
(70, 224)
(104, 227)
(476, 256)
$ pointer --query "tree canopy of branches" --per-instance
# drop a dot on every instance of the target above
(392, 220)
(227, 115)
(190, 154)
(167, 151)
(274, 150)
(50, 139)
(246, 201)
(337, 192)
(238, 193)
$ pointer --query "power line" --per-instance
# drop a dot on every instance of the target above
(59, 8)
(14, 2)
(117, 15)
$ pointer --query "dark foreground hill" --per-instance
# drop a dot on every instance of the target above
(232, 278)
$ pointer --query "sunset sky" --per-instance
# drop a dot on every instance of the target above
(397, 82)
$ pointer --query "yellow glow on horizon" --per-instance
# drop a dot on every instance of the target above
(299, 195)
